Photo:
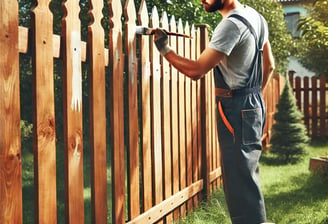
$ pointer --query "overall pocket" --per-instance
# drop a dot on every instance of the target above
(251, 126)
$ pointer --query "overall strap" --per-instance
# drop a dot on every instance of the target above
(256, 67)
(259, 44)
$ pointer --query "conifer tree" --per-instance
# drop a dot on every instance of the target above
(289, 137)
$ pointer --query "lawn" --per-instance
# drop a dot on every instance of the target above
(292, 193)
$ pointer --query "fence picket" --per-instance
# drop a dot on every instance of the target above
(306, 103)
(156, 115)
(174, 117)
(133, 171)
(97, 94)
(166, 121)
(322, 109)
(146, 129)
(182, 117)
(117, 112)
(314, 106)
(44, 115)
(189, 157)
(73, 133)
(298, 93)
(194, 114)
(10, 140)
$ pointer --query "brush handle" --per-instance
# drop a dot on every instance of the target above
(171, 33)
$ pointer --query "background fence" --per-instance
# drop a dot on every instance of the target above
(311, 95)
(162, 129)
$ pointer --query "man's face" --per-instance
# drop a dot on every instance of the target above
(212, 5)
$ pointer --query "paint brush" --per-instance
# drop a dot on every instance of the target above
(142, 30)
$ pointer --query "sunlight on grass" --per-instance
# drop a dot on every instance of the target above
(293, 194)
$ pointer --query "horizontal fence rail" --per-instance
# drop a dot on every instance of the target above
(147, 131)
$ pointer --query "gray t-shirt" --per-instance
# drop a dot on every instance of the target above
(233, 38)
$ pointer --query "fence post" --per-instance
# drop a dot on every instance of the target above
(205, 170)
(10, 138)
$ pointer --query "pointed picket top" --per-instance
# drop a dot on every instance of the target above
(154, 18)
(70, 13)
(180, 26)
(115, 13)
(173, 28)
(130, 12)
(165, 25)
(187, 40)
(143, 14)
(95, 13)
(42, 5)
(165, 21)
(187, 29)
(130, 26)
(193, 42)
(192, 31)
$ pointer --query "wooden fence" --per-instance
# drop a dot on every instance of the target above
(311, 95)
(161, 167)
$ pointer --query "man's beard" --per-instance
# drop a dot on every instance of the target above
(217, 5)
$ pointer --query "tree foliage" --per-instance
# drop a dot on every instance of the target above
(193, 12)
(313, 45)
(289, 137)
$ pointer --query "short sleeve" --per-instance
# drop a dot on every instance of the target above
(225, 37)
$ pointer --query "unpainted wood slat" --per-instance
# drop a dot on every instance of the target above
(73, 133)
(174, 118)
(117, 112)
(323, 114)
(314, 106)
(193, 48)
(146, 129)
(97, 94)
(166, 121)
(130, 46)
(10, 140)
(182, 118)
(187, 53)
(199, 112)
(157, 159)
(306, 103)
(44, 114)
(298, 92)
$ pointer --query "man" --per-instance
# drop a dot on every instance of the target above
(241, 56)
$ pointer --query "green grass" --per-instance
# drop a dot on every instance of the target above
(292, 193)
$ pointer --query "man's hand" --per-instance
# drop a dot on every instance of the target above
(161, 41)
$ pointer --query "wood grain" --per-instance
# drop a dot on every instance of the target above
(10, 140)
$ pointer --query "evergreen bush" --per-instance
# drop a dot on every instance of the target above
(289, 137)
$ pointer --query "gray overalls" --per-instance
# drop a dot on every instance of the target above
(241, 118)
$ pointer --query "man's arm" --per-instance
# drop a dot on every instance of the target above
(268, 64)
(193, 69)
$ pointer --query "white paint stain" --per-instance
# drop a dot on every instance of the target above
(76, 70)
